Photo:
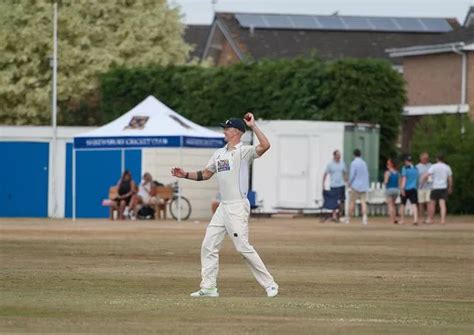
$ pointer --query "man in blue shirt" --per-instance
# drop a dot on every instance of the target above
(409, 189)
(337, 172)
(359, 185)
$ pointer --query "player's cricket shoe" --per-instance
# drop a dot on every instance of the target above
(272, 291)
(205, 292)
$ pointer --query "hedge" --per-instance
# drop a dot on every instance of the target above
(303, 89)
(443, 134)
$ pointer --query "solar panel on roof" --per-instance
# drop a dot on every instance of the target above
(409, 24)
(383, 24)
(278, 21)
(246, 20)
(330, 22)
(345, 23)
(304, 22)
(357, 23)
(436, 25)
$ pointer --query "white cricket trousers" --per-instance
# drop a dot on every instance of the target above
(230, 218)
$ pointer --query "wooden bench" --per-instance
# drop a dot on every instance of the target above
(113, 193)
(164, 194)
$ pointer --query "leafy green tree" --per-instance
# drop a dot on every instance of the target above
(94, 36)
(443, 134)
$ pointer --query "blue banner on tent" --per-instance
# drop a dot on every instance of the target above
(203, 142)
(146, 142)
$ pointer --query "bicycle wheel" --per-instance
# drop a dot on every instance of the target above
(185, 208)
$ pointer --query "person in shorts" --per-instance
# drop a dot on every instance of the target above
(424, 189)
(126, 189)
(358, 185)
(409, 189)
(392, 183)
(442, 177)
(336, 169)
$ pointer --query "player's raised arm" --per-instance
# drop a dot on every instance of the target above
(197, 175)
(264, 144)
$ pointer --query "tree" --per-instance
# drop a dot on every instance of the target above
(442, 134)
(94, 36)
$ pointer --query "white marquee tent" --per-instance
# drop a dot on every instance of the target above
(149, 124)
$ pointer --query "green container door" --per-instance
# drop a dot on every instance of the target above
(366, 138)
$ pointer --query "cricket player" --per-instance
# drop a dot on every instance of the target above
(231, 164)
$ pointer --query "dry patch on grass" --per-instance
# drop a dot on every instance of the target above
(135, 277)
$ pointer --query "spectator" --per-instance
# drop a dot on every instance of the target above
(409, 190)
(442, 186)
(126, 189)
(358, 185)
(391, 181)
(424, 189)
(337, 172)
(146, 194)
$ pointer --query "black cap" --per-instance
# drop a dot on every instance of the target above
(408, 158)
(234, 123)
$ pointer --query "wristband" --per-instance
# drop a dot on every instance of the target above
(199, 176)
(187, 175)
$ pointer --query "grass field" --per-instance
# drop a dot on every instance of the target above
(135, 277)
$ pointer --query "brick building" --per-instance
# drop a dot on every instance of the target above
(439, 77)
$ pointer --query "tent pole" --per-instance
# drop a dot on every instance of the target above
(73, 184)
(122, 161)
(179, 184)
(54, 111)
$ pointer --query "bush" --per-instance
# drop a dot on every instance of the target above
(298, 89)
(442, 134)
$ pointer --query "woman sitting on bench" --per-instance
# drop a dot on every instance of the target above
(126, 189)
(146, 195)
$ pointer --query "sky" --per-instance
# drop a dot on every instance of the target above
(201, 11)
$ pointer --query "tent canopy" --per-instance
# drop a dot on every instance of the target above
(149, 124)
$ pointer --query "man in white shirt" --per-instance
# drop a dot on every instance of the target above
(442, 181)
(231, 164)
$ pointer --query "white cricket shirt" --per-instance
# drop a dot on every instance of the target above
(231, 168)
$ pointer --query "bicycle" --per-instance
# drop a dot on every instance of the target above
(177, 201)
